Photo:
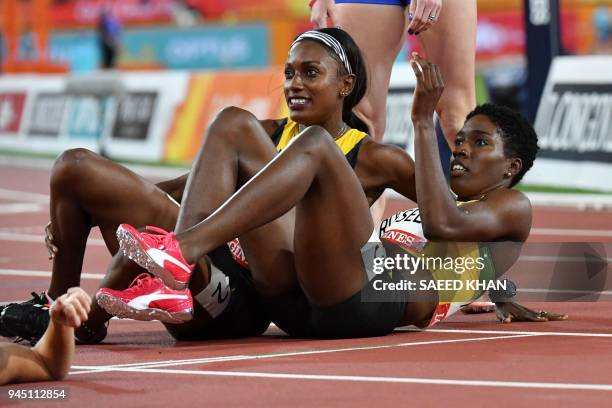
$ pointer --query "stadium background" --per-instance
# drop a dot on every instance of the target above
(181, 61)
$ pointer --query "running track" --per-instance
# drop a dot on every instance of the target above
(466, 361)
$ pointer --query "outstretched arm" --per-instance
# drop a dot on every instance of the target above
(51, 357)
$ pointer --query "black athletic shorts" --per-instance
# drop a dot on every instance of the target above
(359, 316)
(244, 316)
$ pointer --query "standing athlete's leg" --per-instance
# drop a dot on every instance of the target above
(451, 44)
(371, 25)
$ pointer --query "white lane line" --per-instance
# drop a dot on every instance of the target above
(571, 232)
(22, 208)
(19, 237)
(46, 274)
(167, 363)
(26, 229)
(402, 380)
(24, 196)
(562, 334)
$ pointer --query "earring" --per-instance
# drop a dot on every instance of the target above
(508, 174)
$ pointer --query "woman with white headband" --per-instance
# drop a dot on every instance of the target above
(302, 216)
(325, 79)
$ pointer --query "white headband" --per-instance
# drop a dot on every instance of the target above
(330, 42)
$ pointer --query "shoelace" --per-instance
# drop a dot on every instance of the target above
(37, 299)
(159, 235)
(157, 230)
(144, 280)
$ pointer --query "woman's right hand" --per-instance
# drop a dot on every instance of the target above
(321, 9)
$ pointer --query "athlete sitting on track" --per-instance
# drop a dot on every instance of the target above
(305, 215)
(88, 190)
(235, 148)
(50, 358)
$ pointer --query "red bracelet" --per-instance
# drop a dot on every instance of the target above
(311, 3)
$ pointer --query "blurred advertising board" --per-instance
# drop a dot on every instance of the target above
(126, 115)
(574, 125)
(11, 111)
(501, 34)
(145, 116)
(259, 92)
(87, 12)
(210, 47)
(399, 130)
(79, 49)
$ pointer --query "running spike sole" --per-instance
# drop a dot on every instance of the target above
(122, 310)
(132, 249)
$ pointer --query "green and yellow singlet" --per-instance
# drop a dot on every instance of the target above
(462, 269)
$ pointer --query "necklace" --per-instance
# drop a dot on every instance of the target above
(342, 131)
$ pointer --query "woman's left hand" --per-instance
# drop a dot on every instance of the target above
(49, 242)
(72, 308)
(508, 312)
(428, 90)
(424, 14)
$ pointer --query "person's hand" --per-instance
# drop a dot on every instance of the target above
(71, 309)
(423, 14)
(508, 312)
(49, 241)
(428, 90)
(322, 9)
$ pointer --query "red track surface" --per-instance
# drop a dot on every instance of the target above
(466, 361)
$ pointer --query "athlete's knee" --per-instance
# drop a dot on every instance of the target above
(314, 140)
(70, 165)
(232, 121)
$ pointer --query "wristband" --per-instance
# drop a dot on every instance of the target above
(501, 295)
